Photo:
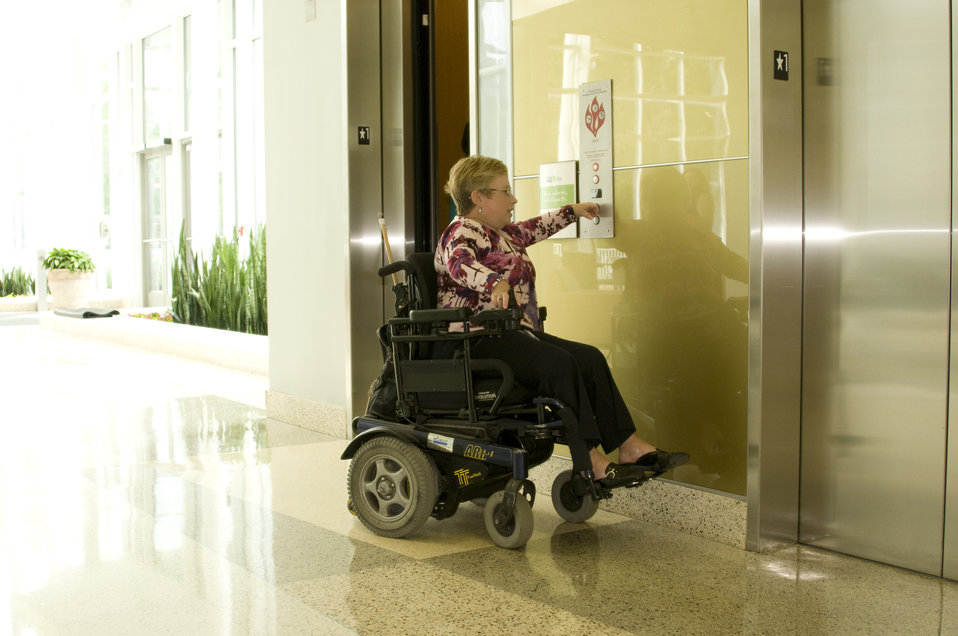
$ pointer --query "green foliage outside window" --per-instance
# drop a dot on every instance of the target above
(227, 291)
(16, 283)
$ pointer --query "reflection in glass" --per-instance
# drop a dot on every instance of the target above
(495, 78)
(678, 71)
(664, 297)
(679, 342)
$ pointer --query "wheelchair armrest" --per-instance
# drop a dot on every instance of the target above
(451, 314)
(496, 315)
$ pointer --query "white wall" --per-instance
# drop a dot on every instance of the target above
(306, 202)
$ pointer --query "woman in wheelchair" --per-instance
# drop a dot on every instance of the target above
(481, 258)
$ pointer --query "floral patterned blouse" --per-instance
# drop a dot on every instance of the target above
(471, 258)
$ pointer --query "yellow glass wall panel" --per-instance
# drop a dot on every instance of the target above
(666, 298)
(679, 78)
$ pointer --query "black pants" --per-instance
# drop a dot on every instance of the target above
(576, 374)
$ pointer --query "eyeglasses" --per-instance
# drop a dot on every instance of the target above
(507, 190)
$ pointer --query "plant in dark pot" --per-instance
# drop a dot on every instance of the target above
(70, 275)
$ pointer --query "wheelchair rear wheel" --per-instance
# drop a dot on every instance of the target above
(392, 486)
(570, 505)
(515, 531)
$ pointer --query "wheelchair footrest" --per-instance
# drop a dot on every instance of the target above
(585, 486)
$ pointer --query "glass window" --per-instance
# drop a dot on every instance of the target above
(157, 87)
(187, 70)
(494, 52)
(259, 132)
(247, 129)
(104, 145)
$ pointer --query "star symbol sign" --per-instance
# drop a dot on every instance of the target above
(780, 61)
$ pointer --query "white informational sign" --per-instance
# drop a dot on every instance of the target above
(556, 189)
(595, 157)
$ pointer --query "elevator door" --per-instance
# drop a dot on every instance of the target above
(877, 279)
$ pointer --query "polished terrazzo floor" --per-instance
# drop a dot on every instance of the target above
(145, 494)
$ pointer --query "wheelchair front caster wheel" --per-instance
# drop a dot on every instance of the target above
(515, 530)
(392, 486)
(570, 505)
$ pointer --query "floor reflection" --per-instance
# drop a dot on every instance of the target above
(201, 426)
(163, 501)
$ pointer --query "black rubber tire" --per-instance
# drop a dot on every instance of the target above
(392, 486)
(570, 506)
(516, 532)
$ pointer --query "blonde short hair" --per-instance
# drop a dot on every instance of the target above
(469, 174)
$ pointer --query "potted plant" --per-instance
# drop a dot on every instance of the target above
(70, 275)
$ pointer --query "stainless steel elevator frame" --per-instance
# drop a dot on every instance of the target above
(376, 79)
(775, 277)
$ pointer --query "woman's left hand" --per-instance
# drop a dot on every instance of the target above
(500, 294)
(588, 210)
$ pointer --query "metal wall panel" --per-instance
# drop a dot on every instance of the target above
(950, 557)
(364, 252)
(398, 123)
(378, 97)
(877, 264)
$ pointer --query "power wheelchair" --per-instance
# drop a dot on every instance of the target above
(442, 431)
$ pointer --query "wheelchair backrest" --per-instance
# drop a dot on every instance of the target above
(419, 290)
(424, 275)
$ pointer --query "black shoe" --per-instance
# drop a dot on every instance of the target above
(617, 475)
(660, 461)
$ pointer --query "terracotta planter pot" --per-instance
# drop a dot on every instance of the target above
(70, 290)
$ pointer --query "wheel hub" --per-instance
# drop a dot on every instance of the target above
(570, 499)
(386, 488)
